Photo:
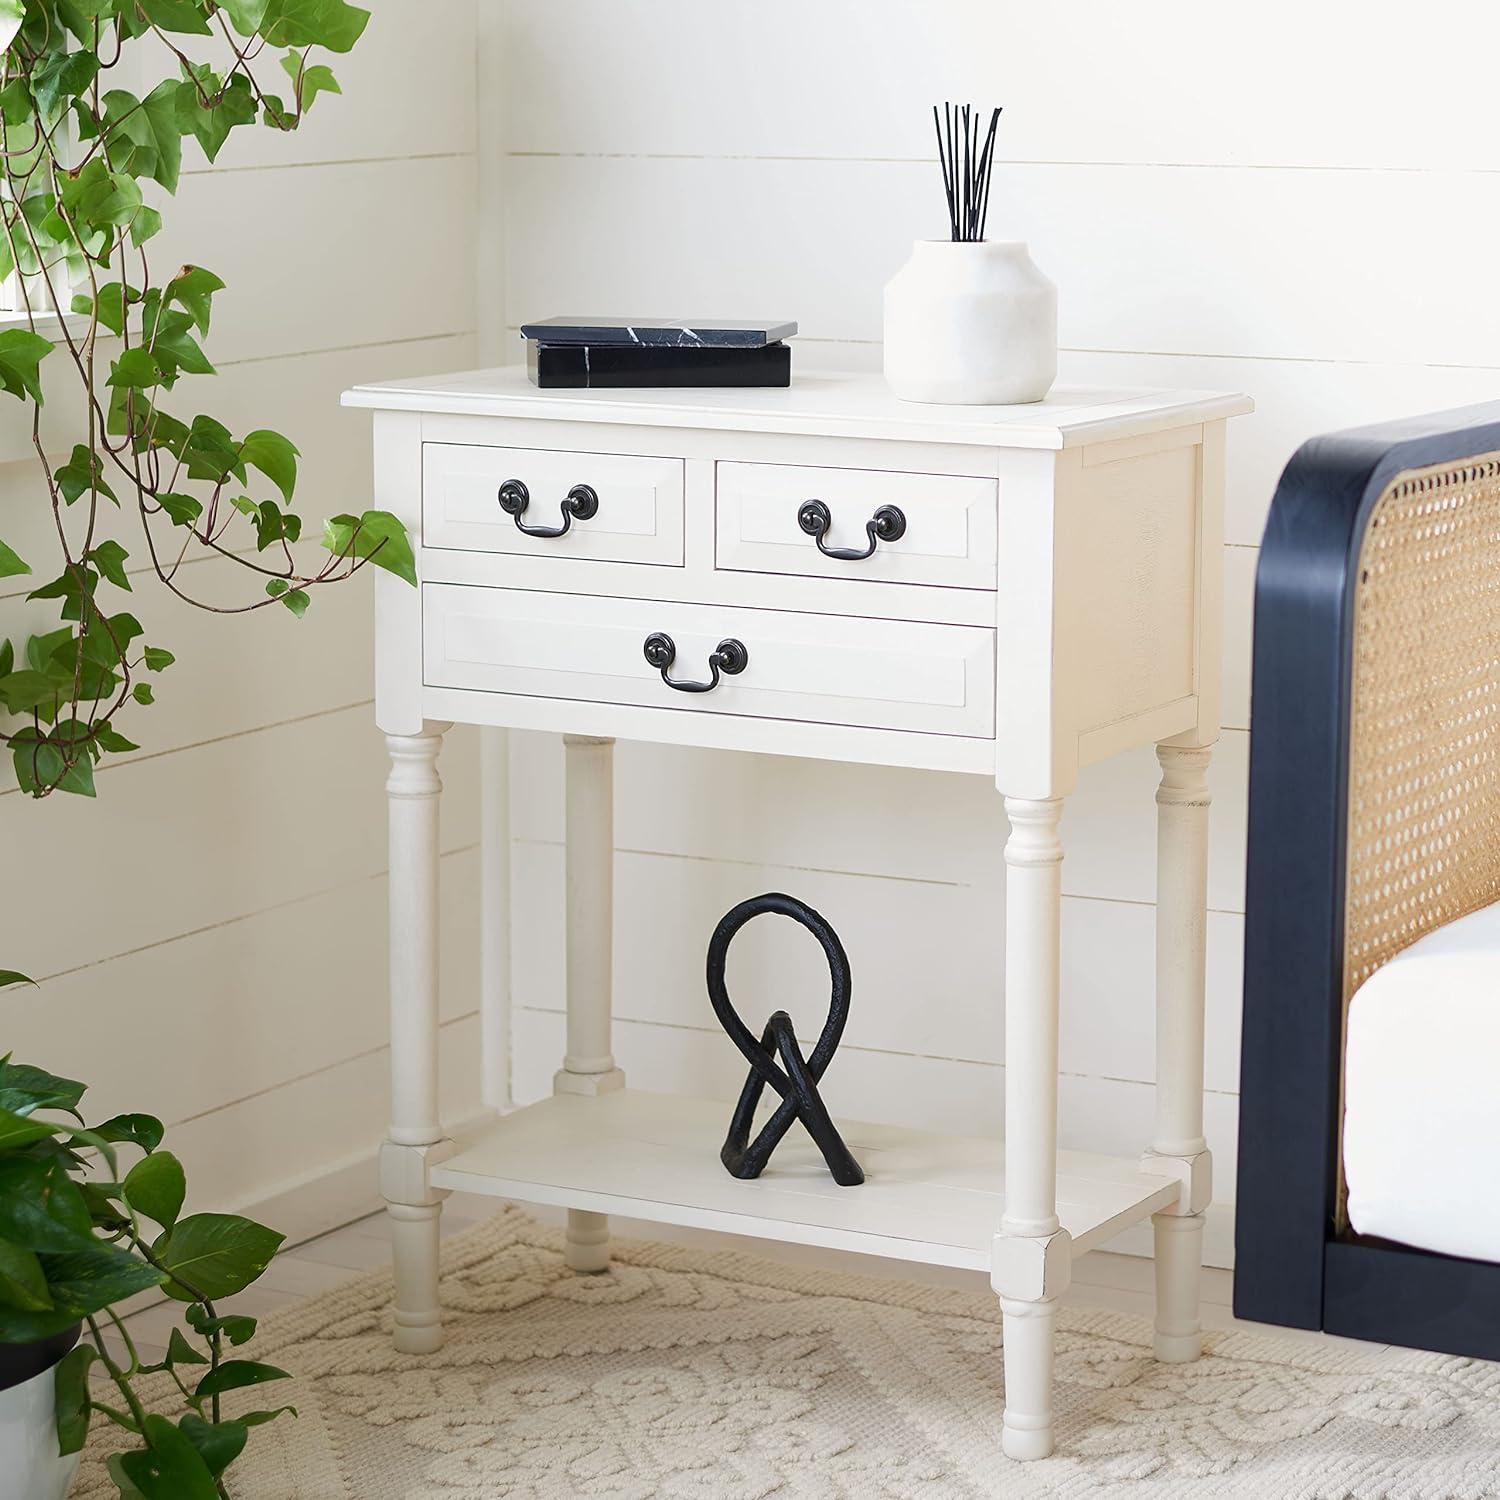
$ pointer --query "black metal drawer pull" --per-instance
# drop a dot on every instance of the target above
(582, 504)
(730, 656)
(888, 524)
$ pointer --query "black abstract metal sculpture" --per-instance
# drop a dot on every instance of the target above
(795, 1078)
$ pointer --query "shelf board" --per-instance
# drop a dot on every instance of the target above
(931, 1198)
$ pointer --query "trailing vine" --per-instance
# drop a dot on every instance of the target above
(77, 158)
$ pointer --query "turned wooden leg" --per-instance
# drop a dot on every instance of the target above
(415, 1139)
(1177, 1142)
(589, 1064)
(1032, 1253)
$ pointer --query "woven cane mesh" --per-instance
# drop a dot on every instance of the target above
(1424, 751)
(1424, 755)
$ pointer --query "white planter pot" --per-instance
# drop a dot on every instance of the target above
(30, 1468)
(970, 323)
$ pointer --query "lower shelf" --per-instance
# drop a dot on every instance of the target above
(930, 1198)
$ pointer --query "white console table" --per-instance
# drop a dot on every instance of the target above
(1043, 592)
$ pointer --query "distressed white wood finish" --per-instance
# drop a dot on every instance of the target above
(1181, 956)
(1095, 567)
(640, 503)
(950, 523)
(931, 679)
(413, 1203)
(933, 1199)
(494, 927)
(818, 405)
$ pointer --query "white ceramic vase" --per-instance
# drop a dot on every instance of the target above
(970, 323)
(30, 1468)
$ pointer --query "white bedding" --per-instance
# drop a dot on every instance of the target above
(1422, 1093)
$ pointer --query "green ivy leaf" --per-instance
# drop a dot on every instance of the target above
(83, 1281)
(275, 457)
(20, 1130)
(24, 1088)
(21, 352)
(257, 1418)
(143, 693)
(180, 1352)
(40, 1208)
(12, 13)
(333, 24)
(309, 82)
(144, 1131)
(110, 557)
(376, 535)
(135, 369)
(23, 1283)
(171, 1468)
(245, 14)
(70, 1394)
(216, 1255)
(100, 198)
(193, 287)
(156, 1186)
(184, 16)
(145, 223)
(234, 106)
(235, 1375)
(158, 660)
(82, 474)
(61, 75)
(296, 601)
(182, 509)
(218, 1443)
(11, 565)
(236, 1327)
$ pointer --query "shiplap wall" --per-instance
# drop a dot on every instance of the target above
(1226, 198)
(209, 933)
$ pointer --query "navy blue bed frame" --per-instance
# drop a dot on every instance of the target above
(1291, 1264)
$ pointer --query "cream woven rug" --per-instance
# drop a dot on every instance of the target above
(695, 1375)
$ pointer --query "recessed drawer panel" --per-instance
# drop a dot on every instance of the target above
(611, 507)
(892, 528)
(883, 674)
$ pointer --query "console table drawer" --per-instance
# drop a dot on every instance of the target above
(615, 507)
(929, 528)
(883, 674)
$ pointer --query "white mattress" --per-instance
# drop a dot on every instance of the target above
(1422, 1093)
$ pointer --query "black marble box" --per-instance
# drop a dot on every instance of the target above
(614, 366)
(671, 333)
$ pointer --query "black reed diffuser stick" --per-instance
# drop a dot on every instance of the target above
(967, 163)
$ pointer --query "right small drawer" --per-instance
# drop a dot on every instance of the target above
(857, 523)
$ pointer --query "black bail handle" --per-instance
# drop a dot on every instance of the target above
(796, 1078)
(581, 503)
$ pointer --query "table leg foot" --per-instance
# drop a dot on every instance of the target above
(1179, 1259)
(415, 1233)
(1028, 1329)
(586, 1244)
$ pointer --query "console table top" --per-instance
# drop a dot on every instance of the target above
(855, 406)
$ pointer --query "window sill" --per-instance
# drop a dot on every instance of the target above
(49, 324)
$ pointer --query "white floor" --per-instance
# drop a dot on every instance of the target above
(1121, 1283)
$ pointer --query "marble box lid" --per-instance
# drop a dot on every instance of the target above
(676, 333)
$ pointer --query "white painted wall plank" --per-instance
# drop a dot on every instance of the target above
(1286, 84)
(1319, 249)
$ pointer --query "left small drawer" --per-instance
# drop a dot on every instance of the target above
(609, 507)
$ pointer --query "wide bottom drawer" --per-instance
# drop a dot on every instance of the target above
(879, 674)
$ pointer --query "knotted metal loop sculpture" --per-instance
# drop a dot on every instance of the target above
(796, 1077)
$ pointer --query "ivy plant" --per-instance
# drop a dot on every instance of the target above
(81, 161)
(145, 481)
(76, 1237)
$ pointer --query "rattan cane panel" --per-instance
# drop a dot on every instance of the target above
(1424, 755)
(1424, 748)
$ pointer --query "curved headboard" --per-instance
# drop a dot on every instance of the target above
(1374, 790)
